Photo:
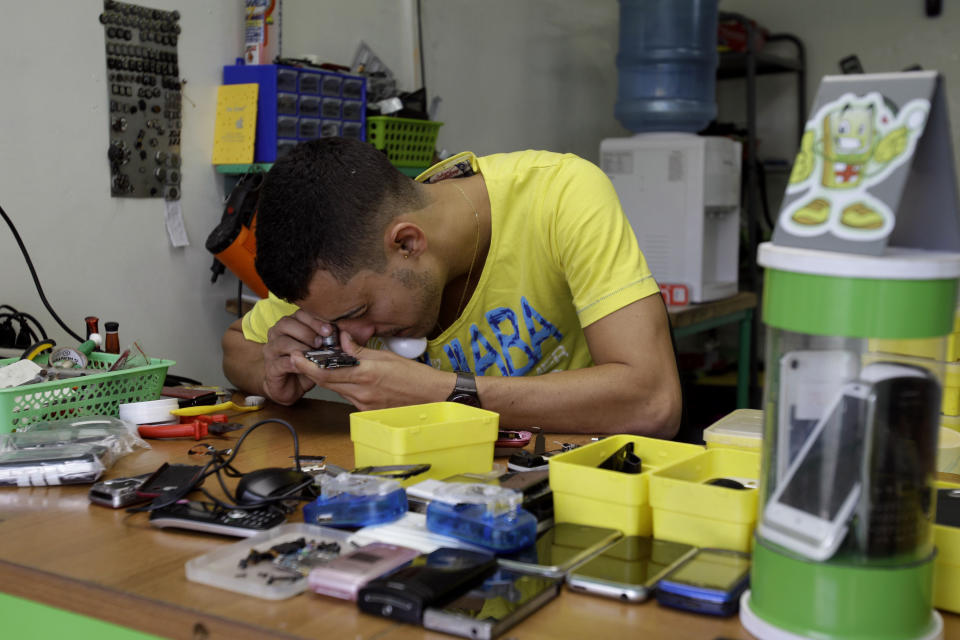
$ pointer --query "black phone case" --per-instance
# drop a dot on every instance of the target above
(171, 479)
(405, 594)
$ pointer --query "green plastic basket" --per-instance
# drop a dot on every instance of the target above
(408, 142)
(96, 394)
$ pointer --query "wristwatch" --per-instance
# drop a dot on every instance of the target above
(465, 391)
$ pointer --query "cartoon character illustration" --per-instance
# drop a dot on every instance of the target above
(850, 144)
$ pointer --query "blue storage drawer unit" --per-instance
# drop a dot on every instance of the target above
(296, 104)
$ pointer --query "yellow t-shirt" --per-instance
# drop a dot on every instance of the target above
(562, 255)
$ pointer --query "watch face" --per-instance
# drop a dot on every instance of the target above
(465, 398)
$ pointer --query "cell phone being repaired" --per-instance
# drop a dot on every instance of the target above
(330, 355)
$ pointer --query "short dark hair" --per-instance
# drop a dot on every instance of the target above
(324, 206)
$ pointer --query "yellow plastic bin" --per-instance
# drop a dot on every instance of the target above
(686, 509)
(946, 568)
(932, 348)
(951, 389)
(452, 438)
(584, 494)
(948, 450)
(742, 429)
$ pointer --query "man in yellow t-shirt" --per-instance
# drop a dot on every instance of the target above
(511, 265)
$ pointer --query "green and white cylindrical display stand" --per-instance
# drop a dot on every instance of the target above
(833, 321)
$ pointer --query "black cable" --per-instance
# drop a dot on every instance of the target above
(39, 326)
(218, 464)
(36, 280)
(423, 68)
(764, 202)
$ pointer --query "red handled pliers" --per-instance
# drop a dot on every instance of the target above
(197, 427)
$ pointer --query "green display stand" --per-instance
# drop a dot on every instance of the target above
(792, 598)
(866, 247)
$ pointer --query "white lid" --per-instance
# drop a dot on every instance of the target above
(742, 423)
(896, 263)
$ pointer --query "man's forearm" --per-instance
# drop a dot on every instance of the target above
(243, 362)
(607, 398)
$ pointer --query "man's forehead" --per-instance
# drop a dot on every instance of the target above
(329, 299)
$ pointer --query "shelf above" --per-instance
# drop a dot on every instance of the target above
(734, 64)
(234, 169)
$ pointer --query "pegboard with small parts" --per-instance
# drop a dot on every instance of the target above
(144, 93)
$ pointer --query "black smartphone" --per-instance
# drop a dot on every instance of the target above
(428, 581)
(488, 610)
(171, 479)
(209, 518)
(948, 507)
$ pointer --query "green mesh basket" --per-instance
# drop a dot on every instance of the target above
(96, 394)
(408, 142)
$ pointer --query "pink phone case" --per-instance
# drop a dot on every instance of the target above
(343, 577)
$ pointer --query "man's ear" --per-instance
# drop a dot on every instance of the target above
(405, 239)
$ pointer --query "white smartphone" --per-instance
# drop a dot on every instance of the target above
(809, 510)
(628, 569)
(808, 383)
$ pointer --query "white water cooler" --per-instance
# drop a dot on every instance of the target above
(681, 193)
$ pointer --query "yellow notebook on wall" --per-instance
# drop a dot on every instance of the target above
(236, 125)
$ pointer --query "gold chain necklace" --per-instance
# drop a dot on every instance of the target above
(476, 251)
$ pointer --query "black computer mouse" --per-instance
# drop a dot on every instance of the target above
(271, 483)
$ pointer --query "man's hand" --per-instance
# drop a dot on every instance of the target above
(291, 336)
(382, 379)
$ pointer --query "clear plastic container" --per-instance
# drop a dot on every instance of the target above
(270, 575)
(850, 451)
(667, 63)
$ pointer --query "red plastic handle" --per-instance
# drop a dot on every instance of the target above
(195, 430)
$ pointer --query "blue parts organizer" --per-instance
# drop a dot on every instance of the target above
(352, 500)
(294, 105)
(482, 514)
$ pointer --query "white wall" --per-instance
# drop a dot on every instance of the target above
(512, 75)
(98, 255)
(887, 35)
(333, 29)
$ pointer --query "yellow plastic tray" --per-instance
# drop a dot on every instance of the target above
(946, 568)
(453, 438)
(584, 494)
(951, 389)
(742, 429)
(685, 509)
(932, 348)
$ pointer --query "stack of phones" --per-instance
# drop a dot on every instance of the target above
(455, 591)
(869, 455)
(708, 581)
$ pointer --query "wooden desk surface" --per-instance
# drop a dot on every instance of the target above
(60, 550)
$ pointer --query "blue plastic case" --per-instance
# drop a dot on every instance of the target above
(350, 500)
(484, 515)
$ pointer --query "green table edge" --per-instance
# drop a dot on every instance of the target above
(28, 620)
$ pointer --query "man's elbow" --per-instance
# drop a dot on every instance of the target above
(657, 416)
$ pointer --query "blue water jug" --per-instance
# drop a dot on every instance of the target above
(667, 65)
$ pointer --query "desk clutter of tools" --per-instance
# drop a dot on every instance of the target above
(259, 520)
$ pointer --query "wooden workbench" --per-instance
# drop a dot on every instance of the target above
(59, 550)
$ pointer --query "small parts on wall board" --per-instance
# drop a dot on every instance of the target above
(144, 93)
